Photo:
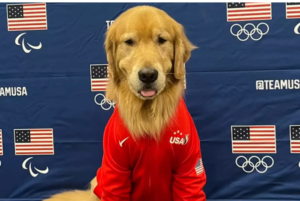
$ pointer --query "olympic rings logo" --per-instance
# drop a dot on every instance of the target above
(103, 102)
(256, 165)
(249, 34)
(296, 29)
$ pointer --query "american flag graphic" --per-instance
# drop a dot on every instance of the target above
(199, 166)
(247, 11)
(292, 10)
(253, 139)
(1, 145)
(295, 138)
(34, 141)
(99, 77)
(25, 17)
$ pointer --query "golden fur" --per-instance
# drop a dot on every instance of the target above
(141, 37)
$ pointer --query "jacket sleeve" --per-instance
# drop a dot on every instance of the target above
(114, 176)
(189, 177)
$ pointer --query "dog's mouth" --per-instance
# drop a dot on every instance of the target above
(148, 93)
(147, 83)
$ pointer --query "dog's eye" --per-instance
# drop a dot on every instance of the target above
(129, 42)
(161, 40)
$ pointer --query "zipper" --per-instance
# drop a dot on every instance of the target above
(149, 165)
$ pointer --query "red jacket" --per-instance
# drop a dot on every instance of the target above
(146, 170)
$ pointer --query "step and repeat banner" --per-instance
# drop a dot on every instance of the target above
(242, 90)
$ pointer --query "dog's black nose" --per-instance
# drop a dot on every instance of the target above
(148, 75)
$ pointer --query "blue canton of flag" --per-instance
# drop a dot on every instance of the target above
(199, 166)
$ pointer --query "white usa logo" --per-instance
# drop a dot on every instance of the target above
(179, 140)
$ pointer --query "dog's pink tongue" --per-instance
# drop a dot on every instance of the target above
(148, 93)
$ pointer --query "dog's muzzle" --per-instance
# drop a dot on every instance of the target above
(148, 76)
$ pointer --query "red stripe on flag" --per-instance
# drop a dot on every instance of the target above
(254, 147)
(41, 137)
(253, 151)
(293, 7)
(294, 16)
(41, 130)
(260, 131)
(33, 149)
(37, 12)
(253, 142)
(248, 10)
(249, 18)
(262, 127)
(38, 8)
(35, 20)
(28, 24)
(36, 4)
(35, 16)
(41, 142)
(248, 14)
(29, 28)
(257, 6)
(263, 139)
(35, 153)
(36, 145)
(291, 12)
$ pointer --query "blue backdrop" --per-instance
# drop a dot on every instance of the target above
(242, 76)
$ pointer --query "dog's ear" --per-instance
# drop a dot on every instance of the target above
(182, 48)
(110, 49)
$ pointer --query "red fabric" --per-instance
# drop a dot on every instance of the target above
(147, 170)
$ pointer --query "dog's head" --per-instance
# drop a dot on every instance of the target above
(146, 49)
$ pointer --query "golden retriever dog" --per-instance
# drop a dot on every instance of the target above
(146, 51)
